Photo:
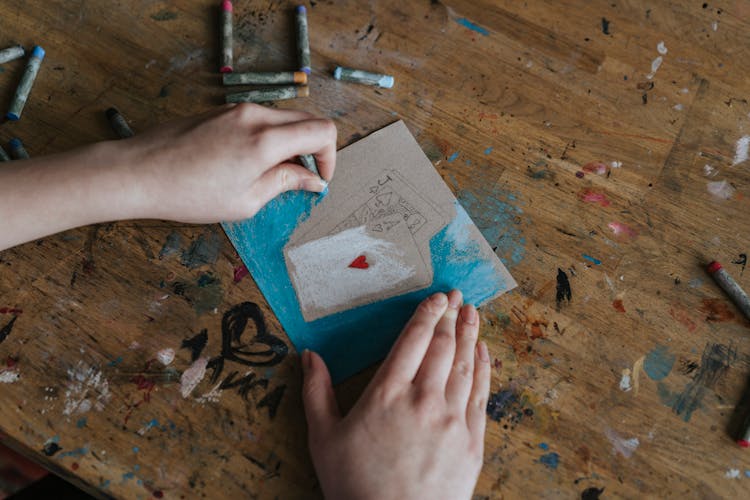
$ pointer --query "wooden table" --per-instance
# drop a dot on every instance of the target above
(603, 179)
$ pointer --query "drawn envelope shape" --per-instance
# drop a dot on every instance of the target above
(326, 282)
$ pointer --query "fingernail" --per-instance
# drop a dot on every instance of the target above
(439, 299)
(455, 299)
(469, 315)
(484, 354)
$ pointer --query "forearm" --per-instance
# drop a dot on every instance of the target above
(50, 194)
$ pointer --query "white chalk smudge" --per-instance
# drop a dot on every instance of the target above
(9, 376)
(661, 48)
(616, 164)
(741, 150)
(715, 25)
(732, 474)
(165, 356)
(720, 189)
(678, 107)
(86, 389)
(193, 376)
(213, 395)
(625, 447)
(625, 380)
(709, 171)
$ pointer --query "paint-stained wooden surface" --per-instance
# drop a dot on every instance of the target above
(618, 363)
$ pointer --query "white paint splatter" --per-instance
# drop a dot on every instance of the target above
(625, 380)
(720, 189)
(678, 107)
(715, 25)
(211, 396)
(86, 389)
(625, 447)
(732, 474)
(741, 150)
(709, 171)
(616, 164)
(193, 376)
(661, 48)
(9, 376)
(165, 356)
(685, 90)
(655, 66)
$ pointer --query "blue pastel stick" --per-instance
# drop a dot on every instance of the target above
(24, 87)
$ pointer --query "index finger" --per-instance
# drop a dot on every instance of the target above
(314, 136)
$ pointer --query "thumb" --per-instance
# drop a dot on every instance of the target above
(321, 408)
(285, 177)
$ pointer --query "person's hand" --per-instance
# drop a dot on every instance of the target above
(228, 163)
(418, 429)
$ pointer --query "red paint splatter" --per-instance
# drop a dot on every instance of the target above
(683, 317)
(590, 196)
(621, 229)
(490, 116)
(617, 304)
(240, 272)
(596, 167)
(536, 329)
(11, 362)
(360, 263)
(717, 310)
(158, 494)
(74, 466)
(10, 310)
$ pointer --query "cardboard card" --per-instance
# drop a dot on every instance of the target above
(356, 266)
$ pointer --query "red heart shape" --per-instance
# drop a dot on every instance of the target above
(360, 263)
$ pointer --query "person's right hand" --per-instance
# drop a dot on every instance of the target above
(227, 163)
(418, 430)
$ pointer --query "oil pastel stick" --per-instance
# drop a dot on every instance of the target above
(119, 124)
(744, 437)
(730, 287)
(3, 155)
(278, 78)
(363, 77)
(24, 87)
(303, 40)
(17, 150)
(308, 161)
(227, 38)
(11, 54)
(267, 95)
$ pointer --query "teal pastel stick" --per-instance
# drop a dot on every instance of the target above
(363, 77)
(27, 81)
(11, 54)
(17, 150)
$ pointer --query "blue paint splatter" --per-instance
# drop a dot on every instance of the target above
(152, 424)
(592, 259)
(104, 485)
(498, 221)
(550, 460)
(457, 262)
(115, 362)
(658, 363)
(453, 157)
(488, 150)
(81, 423)
(128, 475)
(472, 26)
(747, 473)
(78, 452)
(136, 467)
(468, 162)
(136, 449)
(544, 446)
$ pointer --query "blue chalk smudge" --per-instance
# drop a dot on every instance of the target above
(747, 473)
(78, 452)
(472, 26)
(550, 460)
(497, 220)
(81, 423)
(115, 362)
(592, 259)
(468, 162)
(453, 157)
(354, 339)
(488, 150)
(658, 363)
(544, 446)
